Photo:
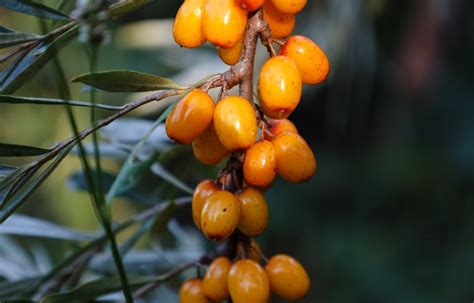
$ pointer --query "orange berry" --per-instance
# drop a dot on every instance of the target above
(295, 159)
(289, 6)
(191, 116)
(204, 189)
(250, 5)
(276, 127)
(187, 29)
(281, 24)
(220, 215)
(224, 22)
(191, 292)
(207, 148)
(308, 57)
(287, 277)
(231, 56)
(253, 212)
(235, 123)
(214, 284)
(260, 164)
(280, 87)
(248, 282)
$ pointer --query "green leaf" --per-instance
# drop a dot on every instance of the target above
(14, 38)
(34, 9)
(47, 101)
(163, 173)
(12, 288)
(6, 170)
(124, 7)
(126, 81)
(161, 222)
(12, 150)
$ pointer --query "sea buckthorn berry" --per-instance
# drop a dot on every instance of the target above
(248, 282)
(289, 6)
(214, 284)
(250, 5)
(288, 279)
(191, 116)
(260, 164)
(235, 123)
(220, 215)
(187, 29)
(280, 87)
(276, 127)
(231, 55)
(204, 189)
(191, 292)
(295, 160)
(308, 57)
(253, 212)
(207, 148)
(224, 22)
(281, 24)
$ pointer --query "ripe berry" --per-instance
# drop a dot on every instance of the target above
(289, 6)
(214, 284)
(248, 282)
(220, 215)
(187, 29)
(191, 116)
(224, 22)
(231, 55)
(204, 189)
(287, 277)
(235, 123)
(191, 292)
(280, 87)
(260, 164)
(253, 212)
(207, 148)
(295, 160)
(281, 24)
(308, 57)
(250, 5)
(276, 127)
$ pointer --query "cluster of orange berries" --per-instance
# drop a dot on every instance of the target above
(260, 138)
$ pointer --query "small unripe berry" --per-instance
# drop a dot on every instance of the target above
(187, 28)
(231, 55)
(248, 282)
(276, 127)
(207, 148)
(235, 123)
(191, 292)
(253, 212)
(204, 189)
(260, 164)
(250, 5)
(214, 284)
(280, 87)
(288, 279)
(191, 116)
(308, 57)
(224, 22)
(281, 24)
(220, 215)
(295, 159)
(289, 6)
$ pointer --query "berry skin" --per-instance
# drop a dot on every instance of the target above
(308, 57)
(207, 148)
(187, 29)
(289, 6)
(288, 279)
(276, 127)
(250, 5)
(191, 292)
(220, 215)
(214, 284)
(248, 282)
(280, 87)
(204, 189)
(224, 22)
(253, 212)
(191, 116)
(235, 123)
(260, 164)
(281, 24)
(231, 56)
(295, 160)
